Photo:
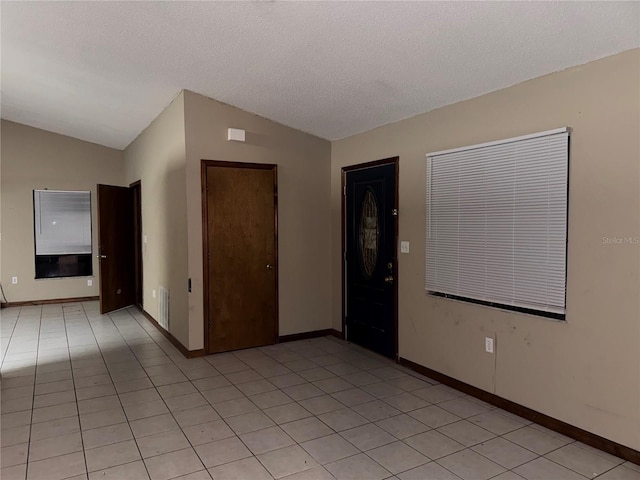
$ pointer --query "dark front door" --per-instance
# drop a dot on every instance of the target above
(116, 248)
(241, 299)
(370, 260)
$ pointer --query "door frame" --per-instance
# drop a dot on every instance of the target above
(137, 240)
(351, 168)
(204, 164)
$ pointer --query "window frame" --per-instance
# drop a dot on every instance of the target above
(50, 266)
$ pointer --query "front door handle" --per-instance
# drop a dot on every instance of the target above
(269, 266)
(388, 279)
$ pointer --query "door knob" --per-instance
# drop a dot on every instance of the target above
(269, 266)
(388, 279)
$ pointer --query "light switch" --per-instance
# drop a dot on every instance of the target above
(144, 239)
(404, 247)
(89, 283)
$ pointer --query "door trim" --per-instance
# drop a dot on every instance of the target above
(362, 166)
(204, 164)
(137, 248)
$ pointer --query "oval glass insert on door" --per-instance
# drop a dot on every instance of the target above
(369, 233)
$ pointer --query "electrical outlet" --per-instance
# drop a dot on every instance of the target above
(488, 344)
(153, 293)
(404, 247)
(89, 283)
(14, 280)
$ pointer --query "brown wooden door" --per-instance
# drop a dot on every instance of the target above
(239, 203)
(116, 247)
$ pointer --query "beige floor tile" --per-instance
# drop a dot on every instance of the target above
(621, 473)
(95, 392)
(343, 419)
(376, 410)
(112, 455)
(98, 404)
(196, 416)
(14, 455)
(55, 412)
(580, 460)
(222, 451)
(55, 446)
(99, 437)
(222, 394)
(248, 468)
(306, 429)
(129, 471)
(137, 411)
(11, 405)
(102, 419)
(185, 402)
(469, 465)
(504, 453)
(495, 421)
(54, 428)
(54, 387)
(208, 432)
(357, 466)
(329, 448)
(287, 461)
(262, 441)
(153, 425)
(321, 404)
(139, 396)
(14, 436)
(176, 389)
(270, 399)
(249, 422)
(535, 440)
(16, 472)
(57, 468)
(397, 457)
(287, 413)
(434, 416)
(16, 419)
(433, 444)
(302, 391)
(231, 408)
(543, 469)
(466, 433)
(429, 471)
(402, 426)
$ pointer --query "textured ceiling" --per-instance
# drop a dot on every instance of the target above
(102, 71)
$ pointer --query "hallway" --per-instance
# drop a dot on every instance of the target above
(90, 396)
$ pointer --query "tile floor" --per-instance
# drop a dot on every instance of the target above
(108, 397)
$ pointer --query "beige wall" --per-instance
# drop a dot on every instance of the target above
(37, 159)
(585, 371)
(157, 158)
(303, 208)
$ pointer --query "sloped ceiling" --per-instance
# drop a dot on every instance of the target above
(102, 71)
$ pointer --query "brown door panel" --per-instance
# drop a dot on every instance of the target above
(116, 253)
(241, 261)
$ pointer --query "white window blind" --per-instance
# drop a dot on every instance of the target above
(62, 222)
(497, 222)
